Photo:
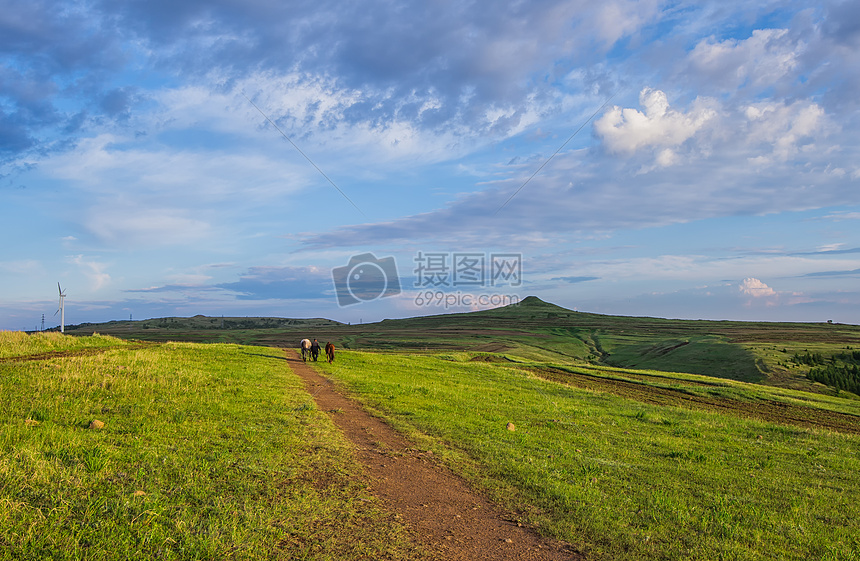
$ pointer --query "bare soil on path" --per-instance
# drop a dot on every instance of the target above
(448, 520)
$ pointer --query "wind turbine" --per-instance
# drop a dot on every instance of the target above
(62, 309)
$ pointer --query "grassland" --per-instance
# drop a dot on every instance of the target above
(625, 478)
(16, 344)
(749, 351)
(206, 452)
(620, 446)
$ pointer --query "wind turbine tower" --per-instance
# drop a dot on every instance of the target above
(62, 309)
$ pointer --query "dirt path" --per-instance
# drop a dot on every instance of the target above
(449, 521)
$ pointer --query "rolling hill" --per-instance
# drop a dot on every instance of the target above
(760, 352)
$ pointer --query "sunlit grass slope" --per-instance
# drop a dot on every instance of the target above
(536, 330)
(19, 344)
(207, 452)
(625, 479)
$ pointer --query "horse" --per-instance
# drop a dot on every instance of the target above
(329, 352)
(305, 346)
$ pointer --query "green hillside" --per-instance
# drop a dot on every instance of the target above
(174, 451)
(536, 330)
(630, 464)
(211, 451)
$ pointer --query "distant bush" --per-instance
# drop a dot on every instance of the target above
(842, 377)
(840, 371)
(853, 356)
(810, 359)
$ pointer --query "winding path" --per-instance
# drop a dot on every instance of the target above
(447, 519)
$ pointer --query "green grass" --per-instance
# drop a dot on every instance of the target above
(693, 384)
(623, 479)
(20, 344)
(207, 452)
(709, 355)
(539, 331)
(217, 451)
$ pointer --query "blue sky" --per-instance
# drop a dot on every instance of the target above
(671, 159)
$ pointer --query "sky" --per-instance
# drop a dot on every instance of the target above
(367, 160)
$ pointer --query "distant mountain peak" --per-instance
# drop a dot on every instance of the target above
(534, 301)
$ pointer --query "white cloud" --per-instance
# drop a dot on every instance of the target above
(619, 18)
(25, 267)
(93, 270)
(842, 215)
(667, 157)
(687, 269)
(111, 164)
(785, 127)
(627, 130)
(389, 103)
(756, 288)
(318, 112)
(759, 61)
(135, 226)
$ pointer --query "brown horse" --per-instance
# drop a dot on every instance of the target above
(329, 352)
(305, 346)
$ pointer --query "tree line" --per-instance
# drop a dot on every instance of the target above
(840, 371)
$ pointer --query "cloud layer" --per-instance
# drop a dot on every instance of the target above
(130, 150)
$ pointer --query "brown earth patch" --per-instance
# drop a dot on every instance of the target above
(493, 347)
(762, 409)
(663, 351)
(489, 358)
(447, 519)
(654, 378)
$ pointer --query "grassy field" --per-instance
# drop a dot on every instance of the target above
(217, 451)
(536, 330)
(206, 452)
(16, 344)
(624, 478)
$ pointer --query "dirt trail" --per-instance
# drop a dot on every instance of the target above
(448, 520)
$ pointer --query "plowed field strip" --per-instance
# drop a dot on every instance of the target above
(766, 410)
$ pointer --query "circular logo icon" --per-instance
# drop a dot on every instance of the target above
(367, 281)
